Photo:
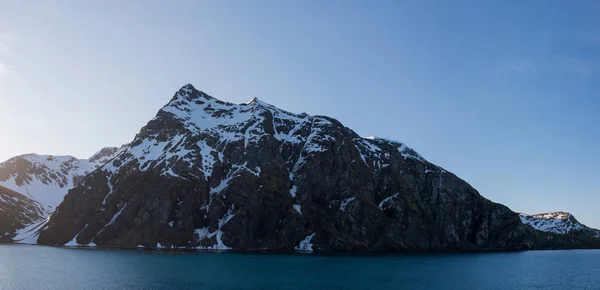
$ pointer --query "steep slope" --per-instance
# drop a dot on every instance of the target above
(207, 174)
(560, 223)
(46, 178)
(17, 211)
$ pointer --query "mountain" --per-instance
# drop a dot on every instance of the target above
(46, 178)
(208, 174)
(560, 223)
(17, 211)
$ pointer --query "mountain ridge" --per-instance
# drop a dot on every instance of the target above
(208, 174)
(47, 178)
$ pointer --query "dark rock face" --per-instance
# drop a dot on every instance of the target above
(16, 211)
(205, 174)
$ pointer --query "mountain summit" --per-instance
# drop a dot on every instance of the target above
(208, 174)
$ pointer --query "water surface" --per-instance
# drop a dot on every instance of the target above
(48, 268)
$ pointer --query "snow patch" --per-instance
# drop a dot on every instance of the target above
(30, 233)
(387, 200)
(293, 191)
(306, 244)
(73, 242)
(345, 203)
(298, 208)
(408, 152)
(204, 233)
(113, 219)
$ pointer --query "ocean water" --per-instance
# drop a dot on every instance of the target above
(32, 267)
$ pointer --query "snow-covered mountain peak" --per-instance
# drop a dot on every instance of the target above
(560, 222)
(47, 178)
(187, 96)
(188, 87)
(195, 122)
(186, 90)
(43, 178)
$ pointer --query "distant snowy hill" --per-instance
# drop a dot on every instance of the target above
(46, 178)
(560, 223)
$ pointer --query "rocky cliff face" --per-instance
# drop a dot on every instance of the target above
(206, 174)
(17, 211)
(560, 223)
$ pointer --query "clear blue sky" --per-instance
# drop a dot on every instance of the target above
(506, 94)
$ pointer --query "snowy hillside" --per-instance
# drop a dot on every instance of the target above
(46, 178)
(17, 211)
(559, 223)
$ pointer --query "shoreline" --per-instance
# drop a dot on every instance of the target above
(323, 253)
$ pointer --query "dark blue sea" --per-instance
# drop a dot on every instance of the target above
(33, 267)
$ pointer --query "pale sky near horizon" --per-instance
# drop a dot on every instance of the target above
(505, 94)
